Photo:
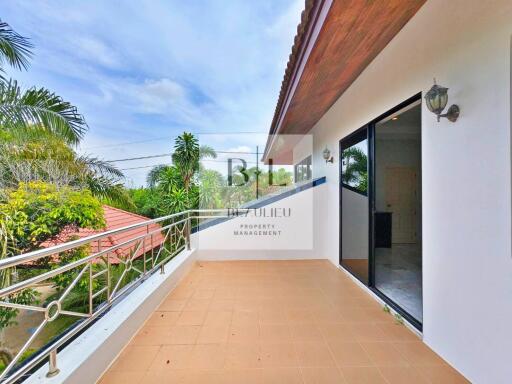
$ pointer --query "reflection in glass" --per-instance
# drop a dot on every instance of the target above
(354, 207)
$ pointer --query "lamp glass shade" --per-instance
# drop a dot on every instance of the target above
(436, 99)
(326, 154)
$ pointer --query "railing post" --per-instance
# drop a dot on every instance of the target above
(90, 288)
(187, 231)
(52, 369)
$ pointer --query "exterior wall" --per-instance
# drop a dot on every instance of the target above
(298, 241)
(467, 263)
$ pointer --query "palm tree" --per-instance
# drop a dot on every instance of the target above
(187, 154)
(355, 168)
(22, 110)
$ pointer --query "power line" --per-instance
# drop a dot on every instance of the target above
(170, 154)
(157, 165)
(169, 138)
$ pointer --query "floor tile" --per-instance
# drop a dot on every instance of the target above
(163, 319)
(403, 375)
(135, 358)
(171, 357)
(363, 375)
(322, 375)
(442, 374)
(191, 318)
(184, 334)
(281, 376)
(314, 354)
(121, 377)
(349, 354)
(382, 353)
(243, 355)
(207, 356)
(278, 355)
(213, 334)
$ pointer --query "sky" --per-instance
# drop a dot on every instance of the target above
(142, 72)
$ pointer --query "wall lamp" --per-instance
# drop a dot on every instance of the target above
(327, 156)
(436, 99)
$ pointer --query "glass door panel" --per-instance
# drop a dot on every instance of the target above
(354, 205)
(397, 215)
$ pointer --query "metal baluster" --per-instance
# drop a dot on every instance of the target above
(187, 231)
(52, 362)
(108, 278)
(90, 288)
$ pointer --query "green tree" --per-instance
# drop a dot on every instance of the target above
(36, 212)
(186, 156)
(355, 168)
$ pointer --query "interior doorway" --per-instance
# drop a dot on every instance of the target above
(381, 208)
(397, 194)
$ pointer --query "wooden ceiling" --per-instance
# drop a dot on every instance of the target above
(351, 36)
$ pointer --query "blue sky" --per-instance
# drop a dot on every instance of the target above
(146, 71)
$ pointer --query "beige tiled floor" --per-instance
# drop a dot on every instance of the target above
(281, 322)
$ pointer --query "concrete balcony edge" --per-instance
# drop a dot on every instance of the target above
(87, 357)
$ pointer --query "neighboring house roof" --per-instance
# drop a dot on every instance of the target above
(114, 219)
(336, 40)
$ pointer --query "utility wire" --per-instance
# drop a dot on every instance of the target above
(170, 154)
(157, 165)
(168, 138)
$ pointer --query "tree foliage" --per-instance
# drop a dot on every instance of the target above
(38, 211)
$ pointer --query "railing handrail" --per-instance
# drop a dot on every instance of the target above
(55, 249)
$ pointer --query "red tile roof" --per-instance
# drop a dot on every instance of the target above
(115, 218)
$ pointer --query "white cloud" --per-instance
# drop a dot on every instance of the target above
(158, 96)
(96, 51)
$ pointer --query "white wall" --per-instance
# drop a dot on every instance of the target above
(298, 239)
(467, 263)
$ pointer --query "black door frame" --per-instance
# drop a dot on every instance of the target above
(369, 131)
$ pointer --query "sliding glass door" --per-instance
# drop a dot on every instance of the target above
(380, 207)
(397, 209)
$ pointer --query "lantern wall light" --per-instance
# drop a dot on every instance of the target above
(327, 156)
(436, 99)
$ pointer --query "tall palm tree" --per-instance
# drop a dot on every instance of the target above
(355, 168)
(187, 154)
(22, 110)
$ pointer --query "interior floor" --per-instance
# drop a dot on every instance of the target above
(398, 276)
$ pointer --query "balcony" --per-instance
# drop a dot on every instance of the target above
(274, 322)
(156, 312)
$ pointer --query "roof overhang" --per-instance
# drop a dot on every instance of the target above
(336, 40)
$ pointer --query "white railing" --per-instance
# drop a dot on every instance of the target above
(85, 278)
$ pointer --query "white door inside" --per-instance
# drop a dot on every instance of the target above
(401, 196)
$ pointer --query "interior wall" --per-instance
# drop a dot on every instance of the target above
(467, 263)
(397, 153)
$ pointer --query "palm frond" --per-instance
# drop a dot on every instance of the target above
(154, 175)
(38, 106)
(109, 190)
(100, 167)
(14, 48)
(205, 151)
